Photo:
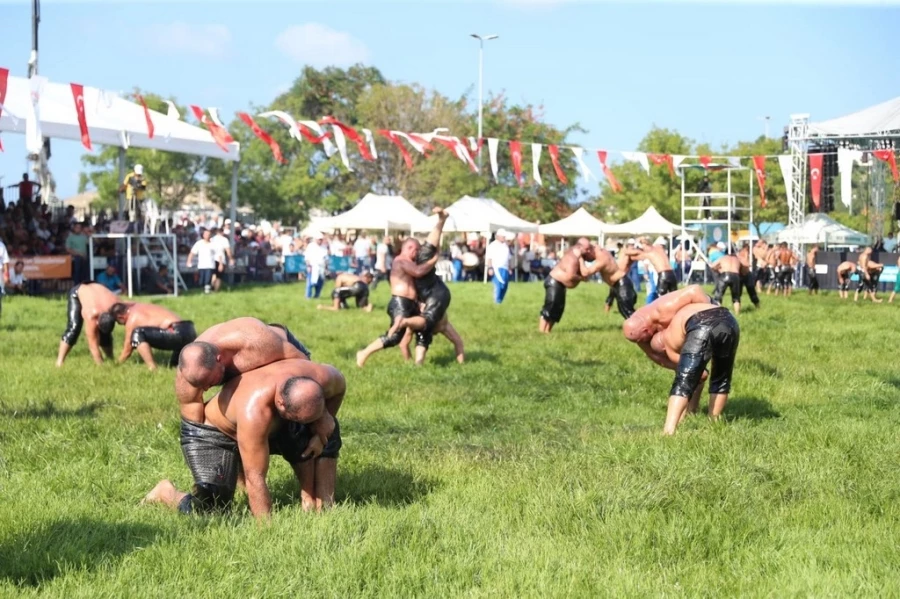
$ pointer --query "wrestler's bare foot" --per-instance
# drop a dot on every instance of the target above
(368, 308)
(163, 491)
(461, 359)
(320, 307)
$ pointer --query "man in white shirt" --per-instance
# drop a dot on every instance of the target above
(221, 252)
(496, 259)
(361, 249)
(338, 246)
(316, 256)
(4, 266)
(382, 261)
(205, 253)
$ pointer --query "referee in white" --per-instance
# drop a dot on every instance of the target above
(497, 262)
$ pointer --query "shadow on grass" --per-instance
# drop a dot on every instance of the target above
(593, 329)
(751, 408)
(763, 367)
(471, 357)
(41, 552)
(49, 410)
(387, 487)
(892, 381)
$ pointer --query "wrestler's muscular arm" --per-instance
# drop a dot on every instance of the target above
(659, 357)
(416, 271)
(253, 424)
(126, 347)
(187, 394)
(335, 387)
(434, 237)
(92, 334)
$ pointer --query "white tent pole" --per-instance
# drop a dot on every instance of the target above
(128, 259)
(233, 213)
(121, 179)
(487, 239)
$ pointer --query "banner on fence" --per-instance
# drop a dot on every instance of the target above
(48, 267)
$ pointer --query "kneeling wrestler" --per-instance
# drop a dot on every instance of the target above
(287, 408)
(148, 327)
(347, 285)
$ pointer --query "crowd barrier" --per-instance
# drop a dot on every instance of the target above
(296, 263)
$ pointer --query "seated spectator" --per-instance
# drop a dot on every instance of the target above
(17, 282)
(111, 280)
(158, 281)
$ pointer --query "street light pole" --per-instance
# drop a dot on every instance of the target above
(766, 119)
(481, 39)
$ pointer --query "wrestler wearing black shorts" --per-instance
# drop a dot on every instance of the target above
(747, 280)
(76, 322)
(626, 296)
(214, 460)
(399, 307)
(730, 281)
(666, 282)
(786, 277)
(844, 280)
(292, 340)
(714, 335)
(174, 338)
(813, 279)
(358, 290)
(432, 291)
(554, 300)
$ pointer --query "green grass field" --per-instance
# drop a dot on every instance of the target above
(536, 469)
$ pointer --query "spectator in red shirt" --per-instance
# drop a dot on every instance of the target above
(27, 189)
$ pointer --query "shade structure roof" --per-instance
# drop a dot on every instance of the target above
(481, 215)
(651, 222)
(869, 122)
(111, 120)
(820, 228)
(580, 223)
(377, 212)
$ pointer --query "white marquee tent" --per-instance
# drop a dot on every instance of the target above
(480, 215)
(384, 213)
(820, 228)
(580, 223)
(879, 119)
(650, 222)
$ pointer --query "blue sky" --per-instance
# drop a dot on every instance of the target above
(709, 70)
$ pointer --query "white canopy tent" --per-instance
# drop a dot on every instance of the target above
(820, 228)
(869, 122)
(580, 223)
(39, 108)
(480, 215)
(384, 213)
(651, 222)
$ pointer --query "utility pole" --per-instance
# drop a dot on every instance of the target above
(38, 161)
(481, 39)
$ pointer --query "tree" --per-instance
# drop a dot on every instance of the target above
(170, 177)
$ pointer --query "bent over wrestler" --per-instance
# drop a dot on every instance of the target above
(225, 351)
(286, 408)
(347, 285)
(698, 334)
(728, 269)
(87, 302)
(147, 327)
(845, 271)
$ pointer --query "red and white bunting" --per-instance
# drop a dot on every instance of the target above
(759, 165)
(219, 135)
(150, 128)
(370, 139)
(4, 78)
(515, 152)
(322, 136)
(262, 135)
(815, 179)
(554, 158)
(639, 157)
(536, 163)
(579, 156)
(610, 178)
(395, 139)
(493, 142)
(888, 156)
(677, 160)
(78, 96)
(349, 132)
(706, 161)
(660, 159)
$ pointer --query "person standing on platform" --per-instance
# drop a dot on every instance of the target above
(134, 186)
(497, 263)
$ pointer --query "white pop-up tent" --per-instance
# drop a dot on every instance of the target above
(480, 215)
(875, 120)
(580, 223)
(651, 222)
(384, 213)
(820, 228)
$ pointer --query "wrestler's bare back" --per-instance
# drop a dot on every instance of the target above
(658, 258)
(95, 299)
(249, 343)
(567, 270)
(672, 337)
(402, 283)
(728, 263)
(150, 315)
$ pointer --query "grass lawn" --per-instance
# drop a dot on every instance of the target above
(536, 469)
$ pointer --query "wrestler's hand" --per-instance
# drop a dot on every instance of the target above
(606, 308)
(314, 448)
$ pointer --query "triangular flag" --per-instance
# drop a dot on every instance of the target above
(787, 168)
(554, 157)
(370, 139)
(316, 128)
(219, 135)
(342, 147)
(815, 179)
(734, 161)
(349, 132)
(515, 152)
(396, 140)
(845, 160)
(579, 156)
(420, 145)
(639, 157)
(535, 163)
(613, 182)
(262, 135)
(705, 161)
(78, 96)
(147, 118)
(660, 159)
(492, 151)
(677, 160)
(4, 77)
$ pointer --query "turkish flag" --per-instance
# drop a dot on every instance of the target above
(403, 151)
(262, 135)
(705, 161)
(351, 133)
(815, 179)
(554, 157)
(146, 116)
(78, 95)
(888, 156)
(219, 135)
(4, 78)
(660, 159)
(759, 165)
(613, 182)
(515, 150)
